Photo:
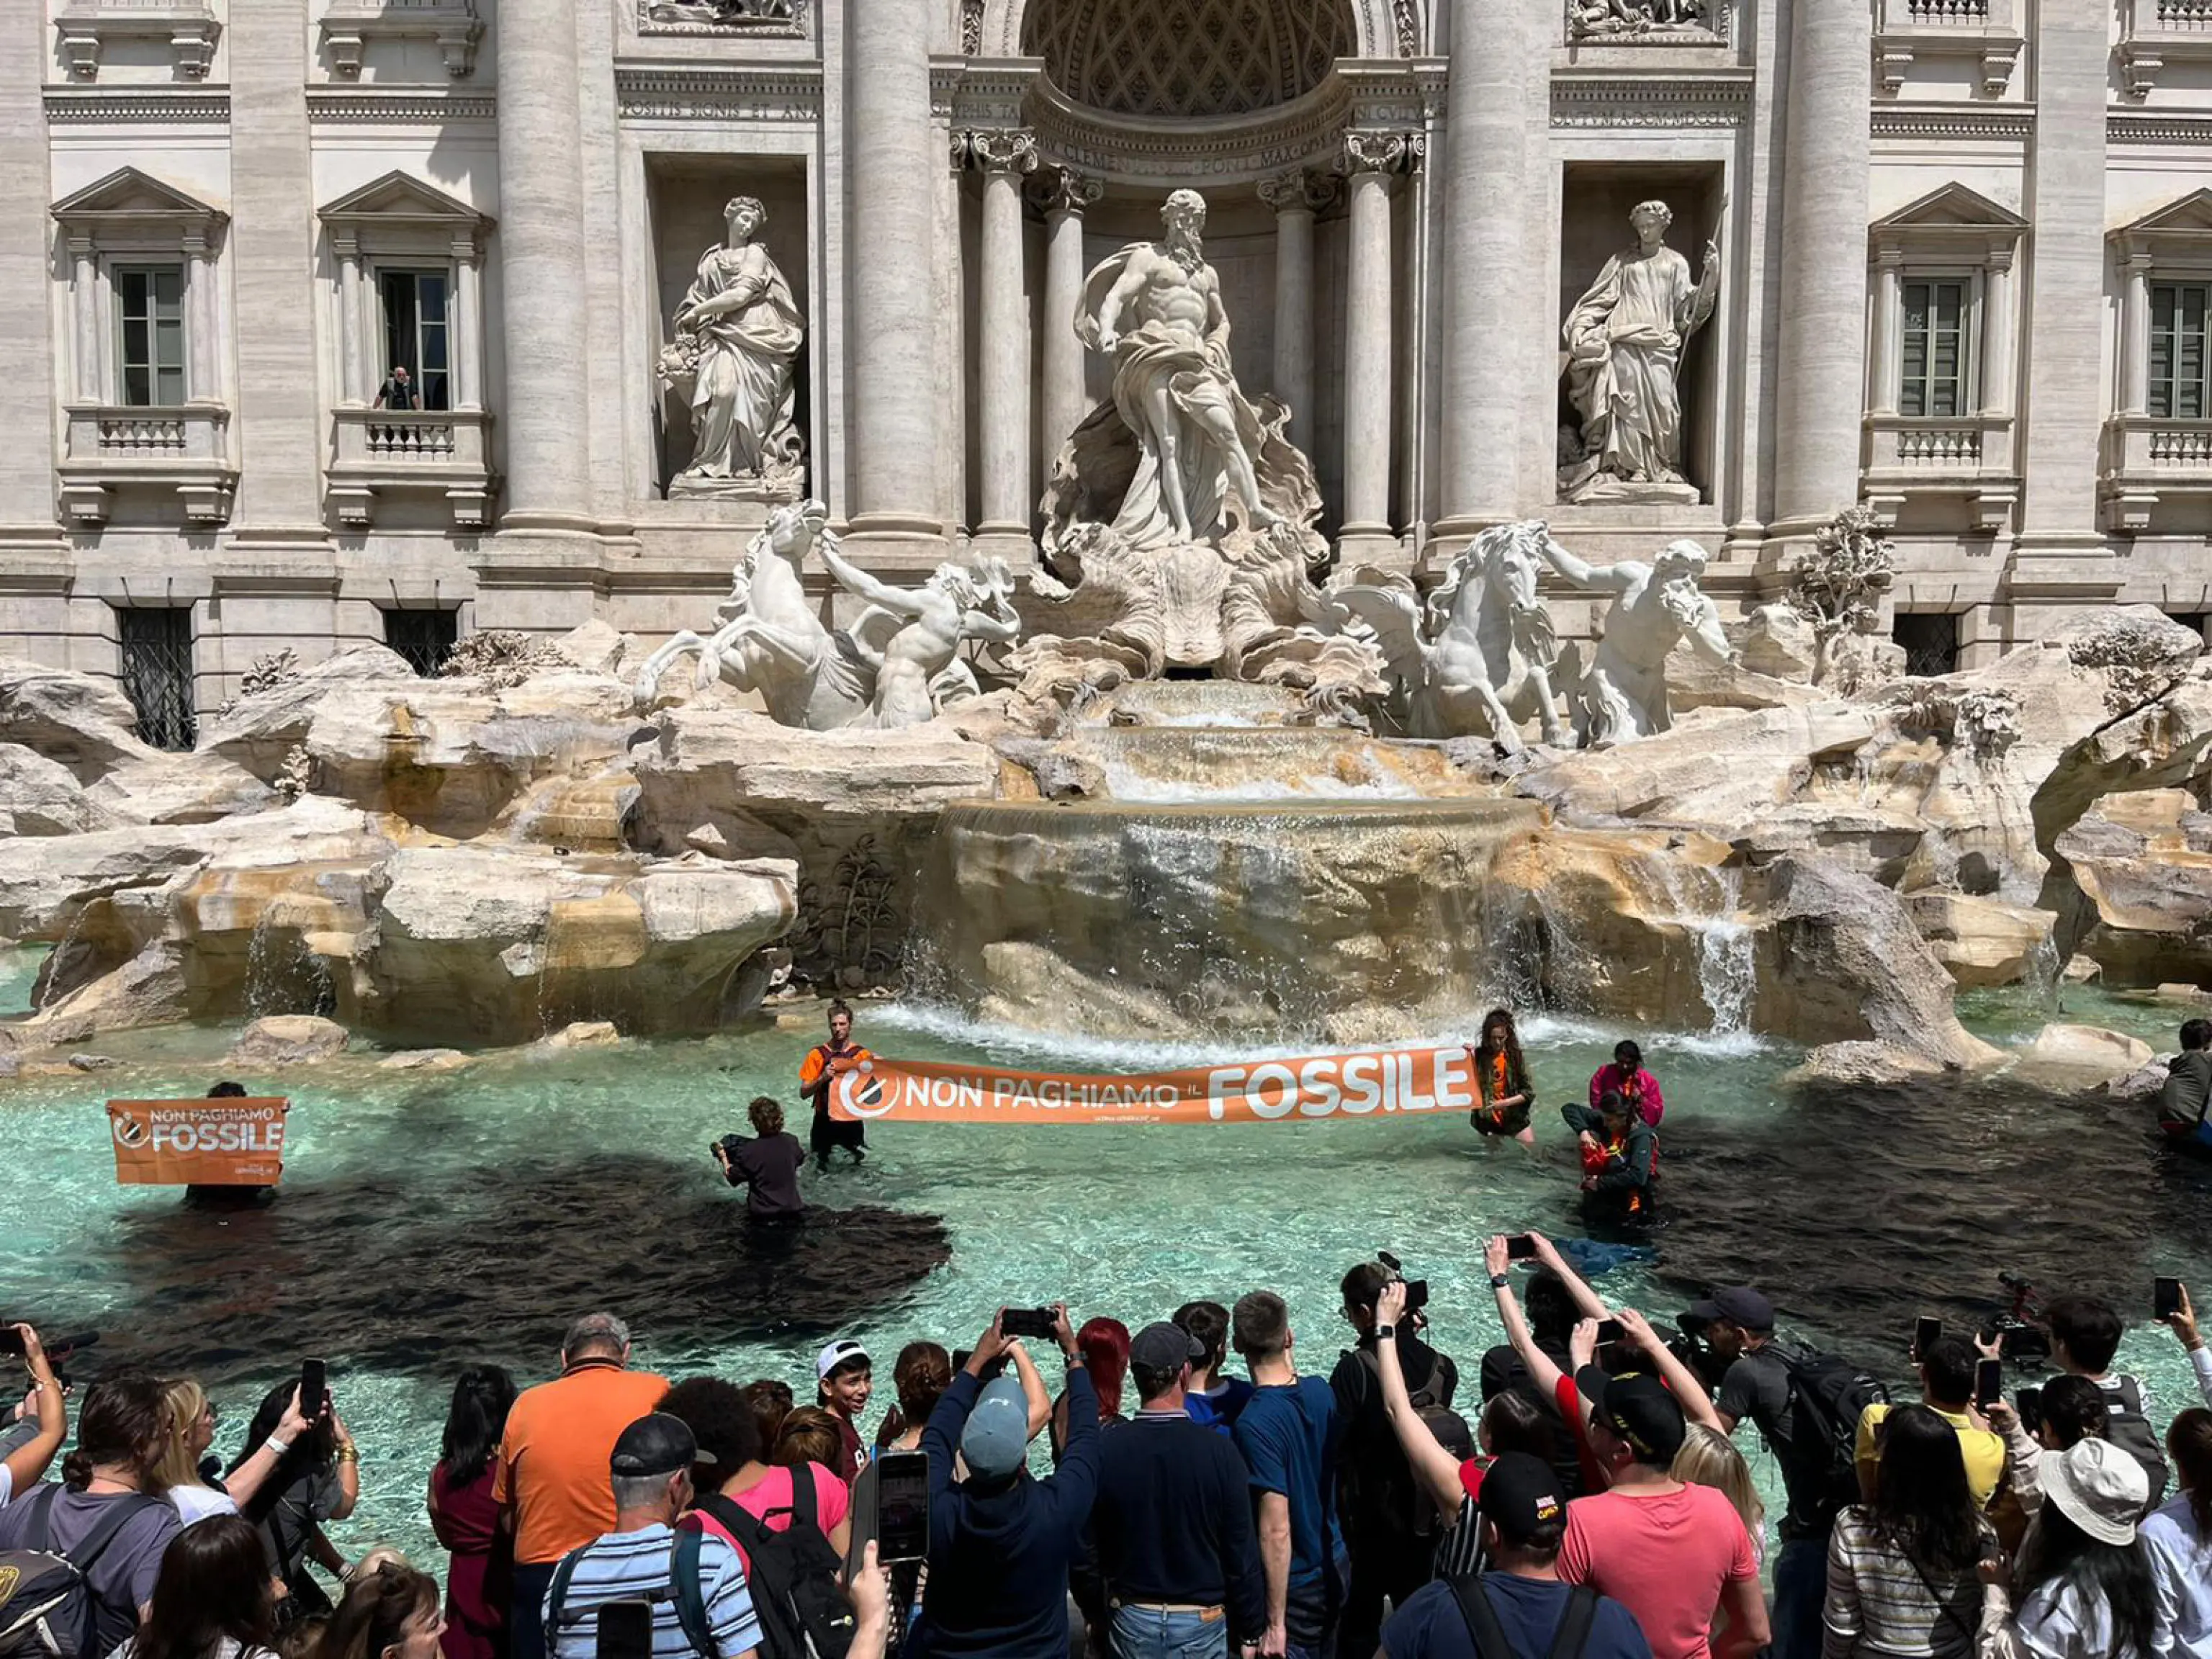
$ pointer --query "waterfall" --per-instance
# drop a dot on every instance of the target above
(2045, 975)
(1726, 977)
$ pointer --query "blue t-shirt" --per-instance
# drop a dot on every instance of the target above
(1218, 1409)
(1287, 1432)
(1431, 1626)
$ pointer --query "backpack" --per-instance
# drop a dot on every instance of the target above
(683, 1588)
(797, 1592)
(1491, 1641)
(2126, 1427)
(48, 1608)
(1380, 1485)
(1828, 1396)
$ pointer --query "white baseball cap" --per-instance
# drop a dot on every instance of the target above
(837, 1353)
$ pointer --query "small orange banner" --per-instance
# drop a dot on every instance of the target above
(212, 1143)
(1239, 1091)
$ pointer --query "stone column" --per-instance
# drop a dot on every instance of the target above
(2000, 348)
(1295, 196)
(84, 311)
(2060, 551)
(1821, 348)
(2135, 336)
(1500, 56)
(894, 375)
(1003, 352)
(1368, 160)
(466, 343)
(1063, 195)
(542, 238)
(352, 391)
(1888, 323)
(278, 414)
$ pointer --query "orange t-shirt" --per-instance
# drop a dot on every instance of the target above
(552, 1464)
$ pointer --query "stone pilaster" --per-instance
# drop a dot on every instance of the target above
(34, 561)
(1369, 159)
(1820, 361)
(1500, 60)
(2059, 549)
(891, 193)
(1062, 194)
(1296, 197)
(277, 414)
(541, 241)
(1004, 158)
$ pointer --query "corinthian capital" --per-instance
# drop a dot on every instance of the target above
(1063, 190)
(1375, 152)
(1297, 190)
(1002, 149)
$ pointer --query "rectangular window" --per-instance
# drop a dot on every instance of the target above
(157, 672)
(424, 636)
(416, 335)
(149, 324)
(2176, 351)
(1930, 639)
(1934, 346)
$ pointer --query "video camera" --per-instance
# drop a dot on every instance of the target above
(1688, 1346)
(2018, 1330)
(1416, 1290)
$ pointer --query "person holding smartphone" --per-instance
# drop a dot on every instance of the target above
(1947, 1369)
(24, 1464)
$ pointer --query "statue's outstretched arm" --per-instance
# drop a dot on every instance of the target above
(1582, 574)
(863, 585)
(985, 625)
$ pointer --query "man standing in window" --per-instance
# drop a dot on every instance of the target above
(397, 391)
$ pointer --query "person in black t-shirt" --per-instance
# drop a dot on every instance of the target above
(767, 1167)
(398, 390)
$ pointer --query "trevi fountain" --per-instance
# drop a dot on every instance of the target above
(519, 938)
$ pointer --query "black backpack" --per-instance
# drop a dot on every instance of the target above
(1828, 1396)
(1491, 1641)
(794, 1574)
(2126, 1427)
(48, 1608)
(1378, 1484)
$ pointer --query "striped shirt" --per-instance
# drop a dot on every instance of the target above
(633, 1566)
(1880, 1602)
(1459, 1551)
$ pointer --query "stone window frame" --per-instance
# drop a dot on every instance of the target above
(102, 229)
(1972, 346)
(2153, 458)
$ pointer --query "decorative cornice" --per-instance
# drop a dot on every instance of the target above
(413, 106)
(1650, 101)
(992, 92)
(135, 104)
(781, 94)
(1302, 132)
(2128, 127)
(2015, 124)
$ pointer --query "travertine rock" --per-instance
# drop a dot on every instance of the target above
(288, 1040)
(2086, 1049)
(42, 796)
(1981, 941)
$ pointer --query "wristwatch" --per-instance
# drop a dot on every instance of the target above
(1384, 1333)
(1500, 1281)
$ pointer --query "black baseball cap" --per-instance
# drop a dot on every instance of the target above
(1739, 1304)
(1637, 1406)
(1164, 1348)
(1521, 1495)
(656, 1443)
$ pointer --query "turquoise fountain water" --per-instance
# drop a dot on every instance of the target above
(426, 1221)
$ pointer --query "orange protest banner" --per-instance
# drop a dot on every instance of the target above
(1236, 1092)
(214, 1143)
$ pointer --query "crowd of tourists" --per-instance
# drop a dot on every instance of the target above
(1189, 1489)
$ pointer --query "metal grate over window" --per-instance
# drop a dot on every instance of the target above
(424, 636)
(1930, 639)
(157, 672)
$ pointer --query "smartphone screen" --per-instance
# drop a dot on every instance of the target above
(625, 1629)
(313, 1389)
(1924, 1333)
(1608, 1330)
(2165, 1298)
(1520, 1248)
(1989, 1382)
(902, 1506)
(1028, 1323)
(11, 1340)
(2028, 1402)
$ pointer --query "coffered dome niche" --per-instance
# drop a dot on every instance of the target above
(1203, 59)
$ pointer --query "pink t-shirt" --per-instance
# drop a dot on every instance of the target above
(768, 1501)
(1665, 1559)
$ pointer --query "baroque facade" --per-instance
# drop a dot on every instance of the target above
(1962, 273)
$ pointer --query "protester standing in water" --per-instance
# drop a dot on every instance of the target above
(1626, 1076)
(818, 1073)
(1501, 1081)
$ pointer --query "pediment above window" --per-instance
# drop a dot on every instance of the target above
(129, 205)
(1953, 221)
(2181, 226)
(399, 207)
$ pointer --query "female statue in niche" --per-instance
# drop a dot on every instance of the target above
(737, 332)
(1624, 338)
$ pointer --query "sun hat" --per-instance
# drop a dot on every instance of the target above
(2099, 1488)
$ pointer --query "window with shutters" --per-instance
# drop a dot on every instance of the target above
(2176, 390)
(149, 327)
(1938, 311)
(156, 645)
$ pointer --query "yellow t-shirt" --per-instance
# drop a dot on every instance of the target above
(1984, 1451)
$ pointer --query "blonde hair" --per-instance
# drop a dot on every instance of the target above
(1710, 1459)
(183, 1400)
